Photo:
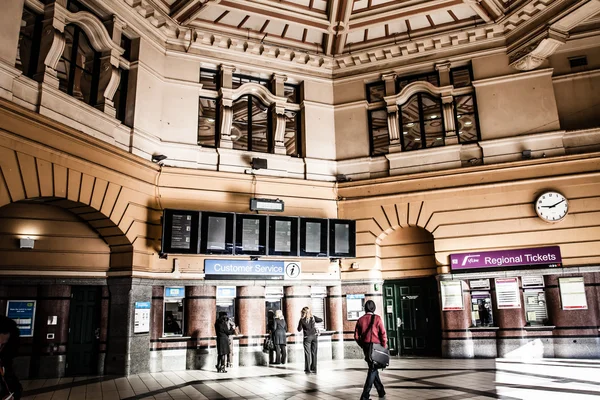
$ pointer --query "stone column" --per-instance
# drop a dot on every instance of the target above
(226, 93)
(295, 297)
(200, 325)
(336, 321)
(251, 319)
(449, 125)
(127, 353)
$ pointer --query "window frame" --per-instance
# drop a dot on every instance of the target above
(417, 78)
(423, 136)
(171, 300)
(35, 39)
(217, 77)
(475, 117)
(371, 137)
(270, 144)
(368, 87)
(217, 137)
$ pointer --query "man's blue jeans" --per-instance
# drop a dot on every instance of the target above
(372, 379)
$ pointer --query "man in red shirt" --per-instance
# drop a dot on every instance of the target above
(364, 336)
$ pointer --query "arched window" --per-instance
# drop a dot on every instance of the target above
(421, 123)
(79, 67)
(251, 127)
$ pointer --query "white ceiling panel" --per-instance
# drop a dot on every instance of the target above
(254, 23)
(233, 18)
(320, 4)
(419, 22)
(356, 36)
(275, 28)
(314, 36)
(397, 26)
(376, 32)
(211, 13)
(463, 11)
(294, 32)
(360, 4)
(441, 17)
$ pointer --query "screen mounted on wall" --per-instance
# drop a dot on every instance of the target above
(283, 236)
(216, 233)
(250, 234)
(342, 238)
(313, 237)
(180, 231)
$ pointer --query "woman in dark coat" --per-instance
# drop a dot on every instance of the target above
(311, 342)
(223, 331)
(279, 329)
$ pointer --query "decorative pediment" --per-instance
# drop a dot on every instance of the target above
(418, 87)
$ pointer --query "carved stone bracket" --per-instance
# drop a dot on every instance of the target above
(280, 134)
(533, 55)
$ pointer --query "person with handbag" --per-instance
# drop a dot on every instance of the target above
(307, 325)
(369, 330)
(10, 388)
(279, 338)
(232, 326)
(223, 332)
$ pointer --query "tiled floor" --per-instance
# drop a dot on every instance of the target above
(407, 378)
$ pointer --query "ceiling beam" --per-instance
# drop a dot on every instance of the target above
(342, 24)
(479, 10)
(332, 17)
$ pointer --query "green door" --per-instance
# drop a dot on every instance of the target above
(412, 316)
(84, 333)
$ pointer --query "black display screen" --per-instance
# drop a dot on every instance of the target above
(217, 233)
(251, 234)
(342, 238)
(313, 237)
(283, 236)
(180, 231)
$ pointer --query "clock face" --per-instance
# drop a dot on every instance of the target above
(551, 206)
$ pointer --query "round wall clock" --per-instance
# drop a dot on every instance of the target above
(551, 206)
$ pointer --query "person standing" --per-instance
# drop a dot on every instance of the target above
(279, 329)
(311, 341)
(223, 331)
(10, 387)
(369, 329)
(231, 325)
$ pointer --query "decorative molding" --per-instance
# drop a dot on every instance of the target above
(513, 77)
(113, 85)
(416, 87)
(56, 50)
(575, 76)
(259, 91)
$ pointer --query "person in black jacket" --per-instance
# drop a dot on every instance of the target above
(223, 331)
(279, 329)
(9, 345)
(311, 341)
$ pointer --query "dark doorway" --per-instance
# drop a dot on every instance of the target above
(84, 331)
(412, 316)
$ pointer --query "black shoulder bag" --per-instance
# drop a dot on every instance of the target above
(379, 356)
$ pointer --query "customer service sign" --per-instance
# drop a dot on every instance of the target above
(538, 257)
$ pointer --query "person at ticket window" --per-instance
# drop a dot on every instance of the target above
(10, 387)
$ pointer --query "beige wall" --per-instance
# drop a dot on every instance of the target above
(510, 106)
(577, 100)
(63, 242)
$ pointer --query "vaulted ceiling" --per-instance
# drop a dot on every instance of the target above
(333, 26)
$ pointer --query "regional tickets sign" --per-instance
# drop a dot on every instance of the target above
(541, 257)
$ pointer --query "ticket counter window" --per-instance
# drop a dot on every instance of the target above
(226, 300)
(536, 312)
(317, 304)
(481, 309)
(273, 297)
(173, 317)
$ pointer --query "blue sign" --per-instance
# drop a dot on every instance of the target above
(242, 269)
(175, 292)
(355, 296)
(140, 305)
(23, 313)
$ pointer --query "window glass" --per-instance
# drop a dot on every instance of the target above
(292, 93)
(375, 91)
(239, 127)
(481, 309)
(260, 137)
(411, 124)
(173, 311)
(380, 137)
(120, 98)
(209, 79)
(238, 80)
(536, 311)
(317, 305)
(207, 122)
(292, 133)
(460, 77)
(432, 78)
(466, 122)
(29, 38)
(432, 122)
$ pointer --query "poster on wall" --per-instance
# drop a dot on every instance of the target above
(23, 313)
(508, 294)
(142, 317)
(452, 297)
(572, 293)
(354, 306)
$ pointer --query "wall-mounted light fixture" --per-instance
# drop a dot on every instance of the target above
(156, 158)
(26, 243)
(526, 154)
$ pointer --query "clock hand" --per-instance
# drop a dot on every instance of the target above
(557, 203)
